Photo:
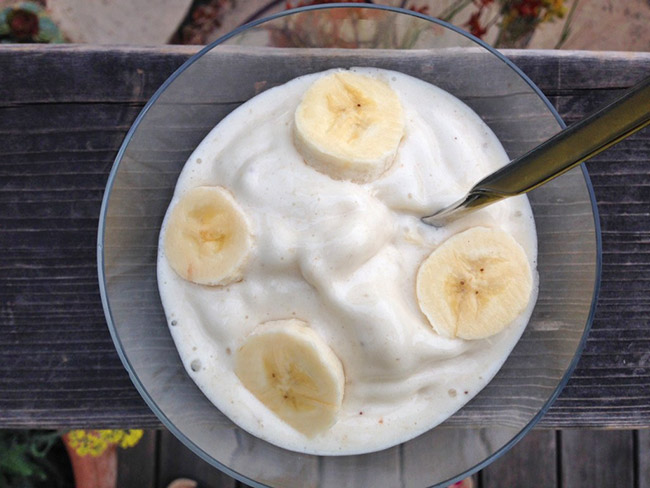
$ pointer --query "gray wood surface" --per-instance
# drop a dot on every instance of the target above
(597, 459)
(643, 457)
(531, 463)
(137, 466)
(177, 461)
(543, 459)
(469, 448)
(65, 110)
(353, 470)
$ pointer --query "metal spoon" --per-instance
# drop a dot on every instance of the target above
(556, 156)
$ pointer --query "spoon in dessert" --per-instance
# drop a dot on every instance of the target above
(554, 157)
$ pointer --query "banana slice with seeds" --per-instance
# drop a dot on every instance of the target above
(207, 237)
(292, 371)
(349, 126)
(475, 284)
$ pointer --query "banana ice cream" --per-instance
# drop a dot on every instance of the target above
(305, 296)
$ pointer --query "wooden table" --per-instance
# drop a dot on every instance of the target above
(64, 112)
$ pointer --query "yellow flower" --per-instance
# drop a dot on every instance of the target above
(95, 442)
(508, 18)
(131, 438)
(76, 435)
(554, 8)
(111, 436)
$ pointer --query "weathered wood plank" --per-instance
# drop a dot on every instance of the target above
(380, 469)
(137, 466)
(54, 75)
(177, 461)
(597, 459)
(272, 467)
(63, 113)
(643, 457)
(420, 467)
(532, 462)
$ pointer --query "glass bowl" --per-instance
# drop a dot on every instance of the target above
(270, 52)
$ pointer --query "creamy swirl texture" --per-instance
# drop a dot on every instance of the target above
(343, 257)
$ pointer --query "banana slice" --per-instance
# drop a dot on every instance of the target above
(208, 239)
(292, 371)
(349, 126)
(475, 284)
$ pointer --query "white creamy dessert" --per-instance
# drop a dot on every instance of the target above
(340, 259)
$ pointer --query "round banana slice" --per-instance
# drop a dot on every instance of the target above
(207, 238)
(291, 370)
(349, 126)
(475, 284)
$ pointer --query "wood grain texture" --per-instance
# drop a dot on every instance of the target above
(531, 463)
(597, 459)
(65, 110)
(382, 470)
(421, 467)
(137, 466)
(177, 461)
(643, 457)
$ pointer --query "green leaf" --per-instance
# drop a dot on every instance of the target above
(23, 461)
(48, 31)
(3, 15)
(42, 443)
(17, 463)
(30, 7)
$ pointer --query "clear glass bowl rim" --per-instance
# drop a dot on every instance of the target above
(109, 185)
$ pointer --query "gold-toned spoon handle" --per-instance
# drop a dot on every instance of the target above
(556, 156)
